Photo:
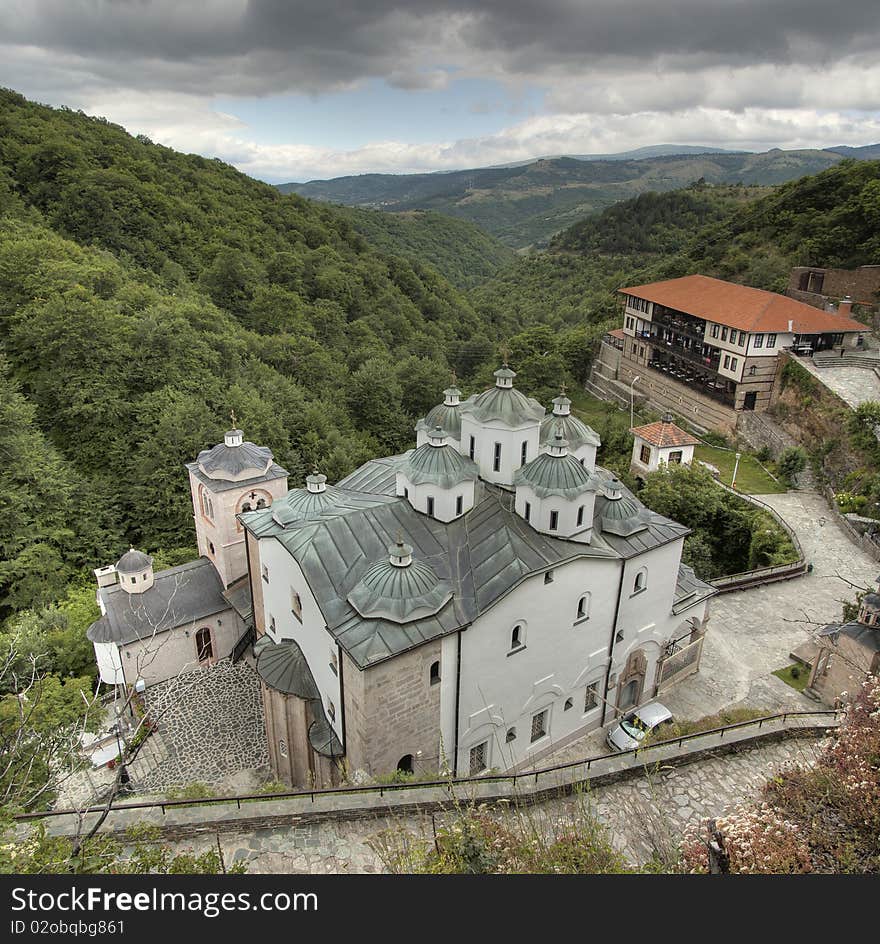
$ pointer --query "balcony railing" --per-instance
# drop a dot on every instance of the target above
(701, 379)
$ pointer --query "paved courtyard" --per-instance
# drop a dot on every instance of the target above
(854, 385)
(210, 730)
(638, 813)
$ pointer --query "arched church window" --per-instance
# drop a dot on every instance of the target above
(246, 507)
(583, 609)
(641, 581)
(261, 503)
(435, 673)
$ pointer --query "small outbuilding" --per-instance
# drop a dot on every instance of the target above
(661, 443)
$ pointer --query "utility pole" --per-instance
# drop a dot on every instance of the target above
(631, 402)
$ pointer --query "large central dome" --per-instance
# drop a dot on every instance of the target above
(503, 403)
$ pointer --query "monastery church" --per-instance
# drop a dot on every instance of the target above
(464, 607)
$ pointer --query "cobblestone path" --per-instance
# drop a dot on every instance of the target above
(854, 385)
(210, 728)
(663, 804)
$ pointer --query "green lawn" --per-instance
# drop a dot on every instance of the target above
(799, 683)
(750, 477)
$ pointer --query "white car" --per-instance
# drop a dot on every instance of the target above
(630, 731)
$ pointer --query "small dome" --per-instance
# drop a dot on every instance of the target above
(438, 464)
(445, 415)
(235, 460)
(304, 504)
(399, 588)
(570, 428)
(133, 562)
(620, 514)
(559, 474)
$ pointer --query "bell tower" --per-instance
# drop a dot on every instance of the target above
(231, 477)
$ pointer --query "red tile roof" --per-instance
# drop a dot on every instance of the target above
(665, 434)
(742, 307)
(618, 333)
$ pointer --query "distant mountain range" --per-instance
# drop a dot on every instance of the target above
(525, 204)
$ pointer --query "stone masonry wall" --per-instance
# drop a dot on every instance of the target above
(392, 710)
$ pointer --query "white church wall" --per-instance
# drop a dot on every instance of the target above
(449, 646)
(486, 436)
(540, 510)
(561, 654)
(311, 633)
(445, 499)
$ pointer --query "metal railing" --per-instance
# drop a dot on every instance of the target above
(525, 777)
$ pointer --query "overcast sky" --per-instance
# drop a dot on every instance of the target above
(301, 89)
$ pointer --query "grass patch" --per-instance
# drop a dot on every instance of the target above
(796, 675)
(677, 729)
(751, 478)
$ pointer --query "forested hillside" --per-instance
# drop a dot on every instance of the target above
(144, 294)
(524, 205)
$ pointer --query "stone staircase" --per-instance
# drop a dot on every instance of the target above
(866, 359)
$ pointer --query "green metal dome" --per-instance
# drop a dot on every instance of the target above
(620, 514)
(399, 588)
(505, 404)
(444, 415)
(303, 504)
(555, 475)
(441, 465)
(575, 431)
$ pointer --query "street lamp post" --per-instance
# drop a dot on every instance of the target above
(735, 468)
(631, 404)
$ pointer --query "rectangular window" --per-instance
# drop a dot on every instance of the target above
(591, 700)
(742, 338)
(430, 506)
(554, 520)
(527, 511)
(645, 455)
(496, 462)
(726, 361)
(472, 447)
(478, 758)
(733, 363)
(296, 606)
(265, 573)
(539, 725)
(459, 504)
(334, 663)
(771, 340)
(758, 340)
(724, 334)
(523, 453)
(714, 331)
(675, 458)
(580, 515)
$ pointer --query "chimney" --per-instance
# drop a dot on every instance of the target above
(106, 576)
(845, 306)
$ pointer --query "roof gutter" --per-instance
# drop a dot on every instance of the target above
(611, 642)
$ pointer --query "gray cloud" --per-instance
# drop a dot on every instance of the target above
(271, 46)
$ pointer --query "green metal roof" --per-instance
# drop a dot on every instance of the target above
(555, 475)
(439, 465)
(283, 666)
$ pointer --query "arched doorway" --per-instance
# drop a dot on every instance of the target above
(632, 681)
(405, 764)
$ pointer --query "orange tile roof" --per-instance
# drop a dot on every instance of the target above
(742, 307)
(665, 434)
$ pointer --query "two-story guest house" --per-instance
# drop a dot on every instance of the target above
(706, 349)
